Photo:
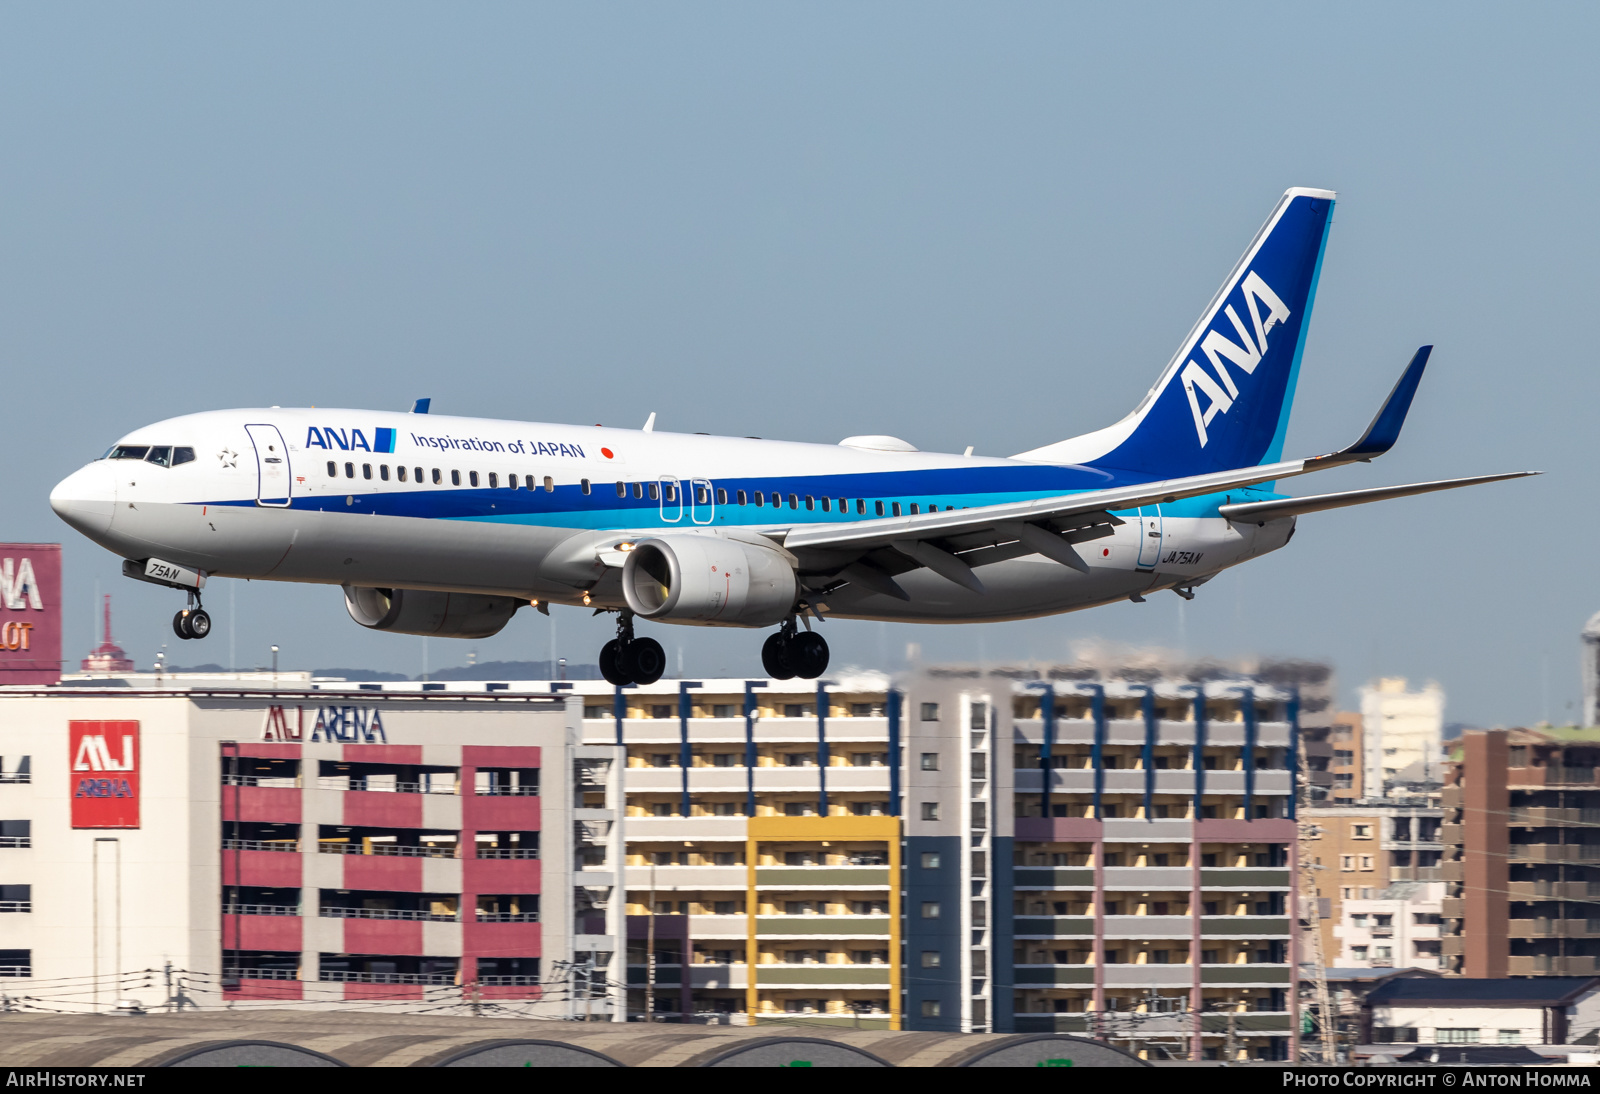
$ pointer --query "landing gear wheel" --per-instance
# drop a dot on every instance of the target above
(199, 623)
(775, 657)
(180, 625)
(611, 664)
(808, 653)
(644, 660)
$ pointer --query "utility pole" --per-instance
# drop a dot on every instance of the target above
(1311, 916)
(650, 952)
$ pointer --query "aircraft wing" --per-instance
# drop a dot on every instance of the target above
(1253, 512)
(953, 541)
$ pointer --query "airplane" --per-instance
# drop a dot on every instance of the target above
(447, 526)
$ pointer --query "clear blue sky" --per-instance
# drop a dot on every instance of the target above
(986, 224)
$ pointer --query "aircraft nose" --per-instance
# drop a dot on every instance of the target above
(87, 498)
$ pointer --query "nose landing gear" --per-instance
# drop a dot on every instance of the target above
(193, 622)
(791, 653)
(628, 660)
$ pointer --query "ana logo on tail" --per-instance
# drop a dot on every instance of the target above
(1246, 354)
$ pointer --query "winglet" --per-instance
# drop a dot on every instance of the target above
(420, 406)
(1385, 428)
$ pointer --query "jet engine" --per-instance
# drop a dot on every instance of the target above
(709, 580)
(444, 615)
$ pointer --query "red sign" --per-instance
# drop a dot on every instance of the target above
(105, 774)
(30, 613)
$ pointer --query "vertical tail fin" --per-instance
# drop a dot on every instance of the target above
(1223, 401)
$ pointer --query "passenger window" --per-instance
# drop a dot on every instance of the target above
(743, 498)
(419, 474)
(672, 492)
(811, 502)
(549, 485)
(472, 478)
(844, 505)
(654, 494)
(794, 501)
(585, 485)
(760, 498)
(383, 472)
(896, 508)
(349, 470)
(622, 489)
(494, 480)
(436, 479)
(638, 490)
(161, 456)
(182, 455)
(366, 471)
(722, 496)
(400, 472)
(879, 504)
(702, 496)
(333, 470)
(827, 504)
(861, 506)
(914, 508)
(455, 478)
(527, 481)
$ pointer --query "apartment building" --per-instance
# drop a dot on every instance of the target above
(1402, 734)
(1398, 927)
(1357, 852)
(1522, 821)
(304, 847)
(1346, 765)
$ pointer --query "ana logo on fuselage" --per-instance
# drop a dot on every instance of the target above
(1246, 354)
(352, 440)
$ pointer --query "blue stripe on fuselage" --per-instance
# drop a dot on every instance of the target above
(568, 507)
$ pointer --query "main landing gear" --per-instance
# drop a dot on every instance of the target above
(791, 653)
(628, 660)
(193, 621)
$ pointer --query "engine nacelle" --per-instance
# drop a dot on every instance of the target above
(444, 615)
(709, 580)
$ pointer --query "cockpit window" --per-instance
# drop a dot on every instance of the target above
(160, 455)
(129, 451)
(182, 455)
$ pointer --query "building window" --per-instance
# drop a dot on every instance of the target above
(930, 811)
(1361, 831)
(1510, 1037)
(930, 1008)
(1366, 862)
(930, 860)
(1457, 1036)
(930, 909)
(930, 761)
(930, 712)
(930, 959)
(1347, 862)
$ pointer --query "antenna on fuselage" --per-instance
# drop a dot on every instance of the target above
(421, 406)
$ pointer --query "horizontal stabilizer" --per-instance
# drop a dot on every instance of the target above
(1254, 512)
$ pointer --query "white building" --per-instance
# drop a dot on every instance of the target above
(1400, 928)
(299, 846)
(1402, 734)
(1539, 1010)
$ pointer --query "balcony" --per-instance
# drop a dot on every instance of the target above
(1244, 926)
(260, 845)
(260, 909)
(1541, 816)
(1247, 878)
(1555, 852)
(398, 850)
(822, 926)
(390, 913)
(1041, 877)
(1064, 976)
(1545, 927)
(1451, 870)
(683, 878)
(1053, 926)
(1148, 878)
(1453, 907)
(818, 976)
(1148, 926)
(425, 978)
(380, 784)
(1252, 974)
(1547, 890)
(825, 877)
(1547, 965)
(1452, 945)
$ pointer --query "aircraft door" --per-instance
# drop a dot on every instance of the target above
(272, 465)
(1149, 537)
(702, 504)
(671, 499)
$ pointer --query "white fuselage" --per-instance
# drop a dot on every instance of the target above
(334, 507)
